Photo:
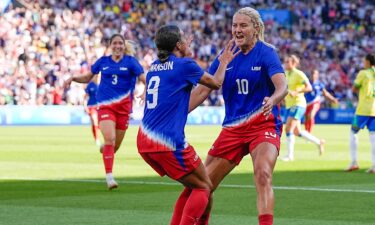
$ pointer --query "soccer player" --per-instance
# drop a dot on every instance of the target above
(253, 87)
(90, 107)
(161, 139)
(313, 99)
(365, 113)
(114, 97)
(295, 103)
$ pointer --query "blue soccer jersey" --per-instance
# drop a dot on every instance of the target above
(316, 93)
(247, 81)
(117, 78)
(91, 90)
(167, 102)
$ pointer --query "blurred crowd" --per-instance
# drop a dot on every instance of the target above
(46, 41)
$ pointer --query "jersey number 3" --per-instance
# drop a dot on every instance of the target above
(153, 89)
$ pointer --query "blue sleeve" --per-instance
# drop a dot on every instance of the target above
(272, 63)
(193, 71)
(95, 68)
(213, 67)
(136, 68)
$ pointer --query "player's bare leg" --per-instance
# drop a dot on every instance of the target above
(217, 169)
(264, 159)
(107, 127)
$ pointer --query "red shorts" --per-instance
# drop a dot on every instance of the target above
(234, 143)
(118, 113)
(312, 105)
(175, 164)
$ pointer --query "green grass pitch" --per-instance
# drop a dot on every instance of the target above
(54, 175)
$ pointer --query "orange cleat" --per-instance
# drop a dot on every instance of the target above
(351, 168)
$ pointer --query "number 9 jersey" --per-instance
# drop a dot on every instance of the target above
(167, 102)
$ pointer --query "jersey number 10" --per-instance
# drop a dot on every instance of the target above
(243, 86)
(154, 83)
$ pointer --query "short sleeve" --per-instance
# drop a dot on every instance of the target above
(214, 65)
(95, 68)
(359, 79)
(193, 71)
(272, 63)
(136, 67)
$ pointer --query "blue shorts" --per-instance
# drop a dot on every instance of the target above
(296, 112)
(359, 122)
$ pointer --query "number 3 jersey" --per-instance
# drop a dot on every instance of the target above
(167, 102)
(117, 78)
(247, 81)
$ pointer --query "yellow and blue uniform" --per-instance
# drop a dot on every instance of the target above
(296, 106)
(365, 113)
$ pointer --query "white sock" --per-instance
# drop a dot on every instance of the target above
(306, 135)
(372, 140)
(109, 176)
(354, 146)
(290, 140)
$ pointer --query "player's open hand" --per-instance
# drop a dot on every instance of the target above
(267, 105)
(229, 53)
(141, 97)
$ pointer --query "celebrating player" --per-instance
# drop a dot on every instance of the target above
(365, 113)
(161, 139)
(313, 99)
(295, 102)
(254, 85)
(119, 72)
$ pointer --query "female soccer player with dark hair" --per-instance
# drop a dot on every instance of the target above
(254, 85)
(364, 85)
(119, 72)
(161, 139)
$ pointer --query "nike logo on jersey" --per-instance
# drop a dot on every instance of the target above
(104, 68)
(123, 68)
(256, 68)
(270, 134)
(229, 68)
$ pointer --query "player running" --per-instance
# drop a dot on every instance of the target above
(90, 108)
(119, 72)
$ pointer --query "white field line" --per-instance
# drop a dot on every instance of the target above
(239, 186)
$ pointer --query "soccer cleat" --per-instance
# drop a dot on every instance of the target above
(112, 184)
(352, 167)
(321, 147)
(371, 170)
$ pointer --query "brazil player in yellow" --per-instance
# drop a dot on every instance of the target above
(295, 103)
(365, 113)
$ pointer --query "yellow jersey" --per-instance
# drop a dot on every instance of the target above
(365, 82)
(296, 82)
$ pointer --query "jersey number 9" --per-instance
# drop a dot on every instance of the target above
(154, 83)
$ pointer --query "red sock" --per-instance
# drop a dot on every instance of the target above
(308, 125)
(180, 205)
(108, 156)
(265, 219)
(195, 206)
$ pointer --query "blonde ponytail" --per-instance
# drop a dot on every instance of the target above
(129, 48)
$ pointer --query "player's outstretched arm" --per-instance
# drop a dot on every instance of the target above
(330, 97)
(79, 79)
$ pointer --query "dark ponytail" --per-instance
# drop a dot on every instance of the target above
(371, 58)
(166, 39)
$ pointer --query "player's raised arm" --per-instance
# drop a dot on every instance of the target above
(79, 79)
(209, 82)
